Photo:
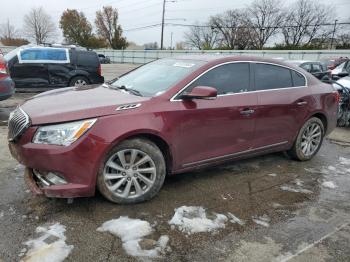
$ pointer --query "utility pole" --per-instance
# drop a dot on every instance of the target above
(163, 19)
(171, 41)
(335, 24)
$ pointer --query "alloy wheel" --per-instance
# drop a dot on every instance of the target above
(80, 82)
(129, 173)
(311, 139)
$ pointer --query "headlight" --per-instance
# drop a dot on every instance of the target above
(62, 134)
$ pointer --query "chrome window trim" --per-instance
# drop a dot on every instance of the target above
(173, 98)
(252, 150)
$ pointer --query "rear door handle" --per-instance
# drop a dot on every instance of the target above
(247, 112)
(302, 103)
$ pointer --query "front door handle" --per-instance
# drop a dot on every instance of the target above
(247, 112)
(302, 103)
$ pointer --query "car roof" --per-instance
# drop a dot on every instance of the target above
(219, 58)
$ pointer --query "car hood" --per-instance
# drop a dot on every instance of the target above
(75, 103)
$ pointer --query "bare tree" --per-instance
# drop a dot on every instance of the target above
(201, 37)
(38, 25)
(235, 31)
(265, 16)
(107, 27)
(7, 31)
(303, 22)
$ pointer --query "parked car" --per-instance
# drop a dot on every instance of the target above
(48, 67)
(167, 117)
(317, 69)
(343, 87)
(341, 70)
(7, 86)
(104, 59)
(332, 63)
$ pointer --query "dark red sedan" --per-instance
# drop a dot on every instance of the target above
(167, 117)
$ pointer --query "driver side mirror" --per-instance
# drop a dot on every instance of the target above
(201, 92)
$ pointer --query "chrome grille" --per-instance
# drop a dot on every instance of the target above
(17, 124)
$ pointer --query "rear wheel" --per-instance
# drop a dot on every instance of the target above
(308, 141)
(79, 81)
(134, 171)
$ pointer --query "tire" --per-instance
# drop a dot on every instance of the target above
(79, 79)
(115, 178)
(300, 150)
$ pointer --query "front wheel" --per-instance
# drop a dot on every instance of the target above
(133, 172)
(308, 141)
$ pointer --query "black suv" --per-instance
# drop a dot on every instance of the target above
(53, 67)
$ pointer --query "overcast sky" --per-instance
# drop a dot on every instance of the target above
(138, 13)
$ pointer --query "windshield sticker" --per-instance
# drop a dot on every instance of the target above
(182, 64)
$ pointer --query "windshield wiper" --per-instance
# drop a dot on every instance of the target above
(130, 90)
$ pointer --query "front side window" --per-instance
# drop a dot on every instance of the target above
(306, 67)
(272, 77)
(227, 79)
(43, 55)
(316, 68)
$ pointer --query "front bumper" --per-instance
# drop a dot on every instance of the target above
(78, 164)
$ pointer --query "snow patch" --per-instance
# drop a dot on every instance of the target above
(295, 189)
(344, 161)
(298, 182)
(131, 232)
(273, 175)
(329, 184)
(193, 219)
(49, 247)
(234, 219)
(262, 220)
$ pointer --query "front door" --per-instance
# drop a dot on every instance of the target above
(215, 129)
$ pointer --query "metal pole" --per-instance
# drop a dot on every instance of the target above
(163, 16)
(335, 24)
(171, 41)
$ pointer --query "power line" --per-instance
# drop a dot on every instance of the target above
(266, 27)
(208, 26)
(142, 27)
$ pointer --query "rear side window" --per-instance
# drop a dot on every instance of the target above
(229, 78)
(298, 79)
(272, 77)
(44, 55)
(87, 59)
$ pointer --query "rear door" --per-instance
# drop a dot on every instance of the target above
(215, 129)
(30, 71)
(283, 100)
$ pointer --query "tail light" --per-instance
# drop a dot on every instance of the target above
(99, 70)
(337, 96)
(3, 68)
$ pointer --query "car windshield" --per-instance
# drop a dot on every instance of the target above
(341, 66)
(156, 77)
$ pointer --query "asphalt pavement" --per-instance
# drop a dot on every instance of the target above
(291, 211)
